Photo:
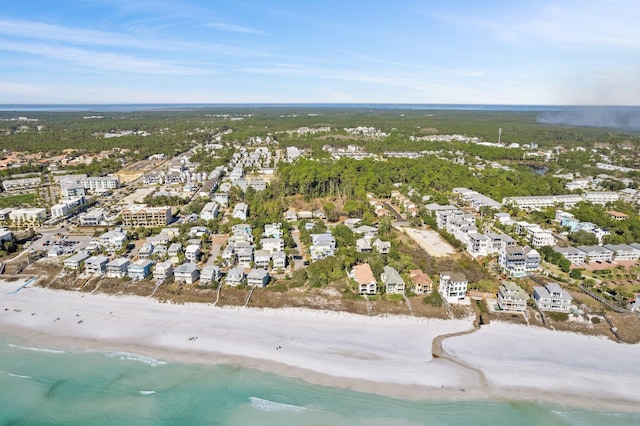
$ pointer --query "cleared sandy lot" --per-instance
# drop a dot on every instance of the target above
(430, 241)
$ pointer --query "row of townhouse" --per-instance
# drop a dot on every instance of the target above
(567, 201)
(607, 253)
(259, 184)
(140, 269)
(476, 200)
(23, 217)
(292, 215)
(24, 184)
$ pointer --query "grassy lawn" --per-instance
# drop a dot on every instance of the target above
(18, 200)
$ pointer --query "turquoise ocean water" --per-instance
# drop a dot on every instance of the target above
(41, 386)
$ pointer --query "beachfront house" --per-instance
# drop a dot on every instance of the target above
(453, 286)
(394, 284)
(117, 268)
(210, 274)
(511, 297)
(75, 262)
(187, 273)
(140, 269)
(363, 276)
(258, 278)
(96, 265)
(597, 253)
(422, 283)
(235, 276)
(552, 297)
(163, 270)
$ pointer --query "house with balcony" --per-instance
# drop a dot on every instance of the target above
(261, 258)
(244, 257)
(422, 283)
(192, 253)
(363, 276)
(235, 276)
(113, 241)
(174, 252)
(145, 251)
(553, 298)
(75, 262)
(394, 284)
(240, 211)
(117, 268)
(572, 254)
(511, 297)
(279, 259)
(453, 286)
(382, 247)
(96, 265)
(363, 245)
(187, 273)
(210, 274)
(597, 253)
(139, 269)
(272, 244)
(258, 278)
(323, 246)
(477, 244)
(163, 270)
(519, 262)
(623, 251)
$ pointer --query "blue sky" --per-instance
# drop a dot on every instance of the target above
(282, 51)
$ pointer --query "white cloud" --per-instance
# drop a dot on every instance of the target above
(101, 60)
(235, 28)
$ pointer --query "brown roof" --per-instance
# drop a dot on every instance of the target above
(616, 214)
(363, 274)
(419, 277)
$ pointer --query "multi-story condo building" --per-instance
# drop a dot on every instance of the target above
(141, 215)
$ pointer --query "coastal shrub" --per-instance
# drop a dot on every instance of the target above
(279, 288)
(434, 299)
(596, 320)
(558, 316)
(394, 297)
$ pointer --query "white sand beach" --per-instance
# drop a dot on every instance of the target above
(389, 355)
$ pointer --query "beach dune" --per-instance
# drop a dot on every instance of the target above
(390, 355)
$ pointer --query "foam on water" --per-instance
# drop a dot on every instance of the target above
(26, 348)
(147, 392)
(20, 376)
(134, 357)
(272, 406)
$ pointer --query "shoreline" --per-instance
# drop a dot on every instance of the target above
(400, 357)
